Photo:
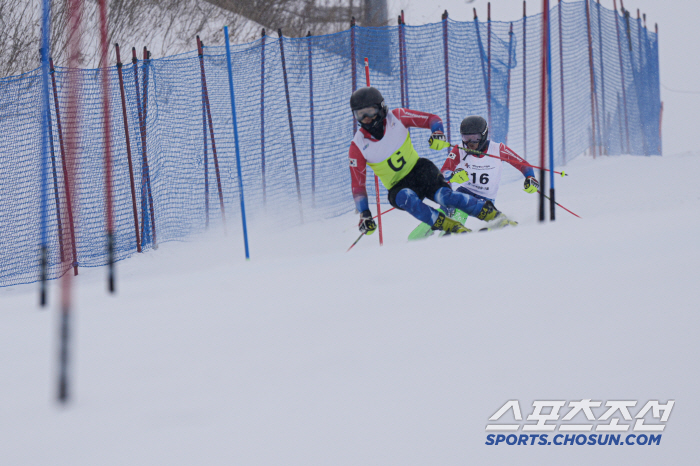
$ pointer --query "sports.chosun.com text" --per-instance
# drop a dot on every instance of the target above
(573, 439)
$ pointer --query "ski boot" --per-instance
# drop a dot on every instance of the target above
(449, 226)
(498, 219)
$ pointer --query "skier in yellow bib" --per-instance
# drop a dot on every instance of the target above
(384, 143)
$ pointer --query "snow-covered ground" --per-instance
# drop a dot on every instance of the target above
(308, 355)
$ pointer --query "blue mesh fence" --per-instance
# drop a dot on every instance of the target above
(605, 76)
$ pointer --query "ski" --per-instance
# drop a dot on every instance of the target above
(498, 224)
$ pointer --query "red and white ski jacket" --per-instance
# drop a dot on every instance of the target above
(482, 175)
(365, 148)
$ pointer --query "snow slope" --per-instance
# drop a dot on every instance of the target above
(398, 355)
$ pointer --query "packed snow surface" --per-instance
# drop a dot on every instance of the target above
(308, 355)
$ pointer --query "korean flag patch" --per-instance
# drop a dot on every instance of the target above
(353, 162)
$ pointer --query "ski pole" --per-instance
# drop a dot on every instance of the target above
(356, 241)
(376, 178)
(388, 210)
(476, 152)
(558, 204)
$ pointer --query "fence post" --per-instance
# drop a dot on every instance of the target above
(311, 117)
(488, 58)
(550, 104)
(353, 66)
(128, 150)
(262, 115)
(622, 74)
(447, 73)
(402, 27)
(524, 79)
(403, 96)
(205, 94)
(604, 127)
(206, 142)
(594, 142)
(639, 47)
(146, 62)
(483, 67)
(69, 202)
(144, 77)
(109, 199)
(235, 136)
(543, 108)
(561, 87)
(291, 126)
(510, 56)
(55, 180)
(144, 159)
(661, 108)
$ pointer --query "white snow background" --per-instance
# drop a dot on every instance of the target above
(307, 355)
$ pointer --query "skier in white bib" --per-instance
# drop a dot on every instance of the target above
(384, 143)
(475, 173)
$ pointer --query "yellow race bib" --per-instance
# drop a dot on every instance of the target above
(392, 169)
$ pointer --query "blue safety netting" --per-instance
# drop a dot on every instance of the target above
(295, 125)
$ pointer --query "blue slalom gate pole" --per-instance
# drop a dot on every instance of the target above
(235, 137)
(43, 165)
(550, 118)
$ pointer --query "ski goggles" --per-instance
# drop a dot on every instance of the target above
(363, 113)
(467, 138)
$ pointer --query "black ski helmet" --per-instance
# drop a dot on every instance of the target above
(476, 125)
(366, 97)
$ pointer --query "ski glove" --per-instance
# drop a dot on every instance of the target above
(367, 225)
(460, 176)
(531, 185)
(438, 141)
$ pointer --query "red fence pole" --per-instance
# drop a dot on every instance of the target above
(488, 59)
(66, 184)
(603, 128)
(107, 144)
(510, 54)
(291, 126)
(205, 139)
(594, 141)
(128, 150)
(262, 115)
(71, 162)
(205, 93)
(312, 123)
(353, 66)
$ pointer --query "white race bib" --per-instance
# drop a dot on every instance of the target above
(484, 174)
